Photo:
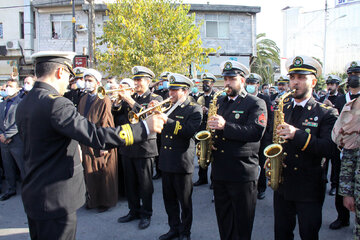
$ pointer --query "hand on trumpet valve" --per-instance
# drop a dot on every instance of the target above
(156, 121)
(152, 104)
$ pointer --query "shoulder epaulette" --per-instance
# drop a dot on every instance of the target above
(154, 95)
(192, 104)
(325, 106)
(53, 96)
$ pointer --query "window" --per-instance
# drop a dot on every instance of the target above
(217, 26)
(61, 26)
(21, 24)
(1, 31)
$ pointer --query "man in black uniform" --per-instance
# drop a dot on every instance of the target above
(240, 124)
(50, 126)
(204, 100)
(177, 158)
(138, 159)
(195, 94)
(252, 87)
(76, 92)
(307, 129)
(283, 87)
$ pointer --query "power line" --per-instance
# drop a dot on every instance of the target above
(40, 4)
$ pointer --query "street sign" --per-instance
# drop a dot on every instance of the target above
(81, 61)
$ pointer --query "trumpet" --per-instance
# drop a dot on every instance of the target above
(135, 117)
(101, 92)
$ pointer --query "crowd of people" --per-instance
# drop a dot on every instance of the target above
(111, 141)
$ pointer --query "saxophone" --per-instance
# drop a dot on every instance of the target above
(204, 147)
(274, 152)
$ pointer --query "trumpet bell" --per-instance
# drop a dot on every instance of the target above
(203, 135)
(101, 92)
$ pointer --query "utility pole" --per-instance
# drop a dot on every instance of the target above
(325, 31)
(91, 33)
(73, 26)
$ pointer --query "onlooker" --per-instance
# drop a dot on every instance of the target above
(11, 144)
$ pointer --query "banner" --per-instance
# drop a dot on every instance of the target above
(339, 3)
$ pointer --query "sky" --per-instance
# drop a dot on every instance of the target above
(269, 20)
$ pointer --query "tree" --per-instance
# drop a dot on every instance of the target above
(267, 58)
(158, 34)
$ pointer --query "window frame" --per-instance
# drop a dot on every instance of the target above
(218, 21)
(52, 20)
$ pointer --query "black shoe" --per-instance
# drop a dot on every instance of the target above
(200, 182)
(157, 176)
(128, 218)
(144, 222)
(102, 209)
(261, 195)
(211, 186)
(337, 224)
(184, 237)
(7, 195)
(332, 191)
(169, 235)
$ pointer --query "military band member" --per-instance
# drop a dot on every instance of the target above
(349, 173)
(252, 87)
(78, 85)
(50, 126)
(138, 159)
(204, 100)
(283, 87)
(240, 124)
(332, 86)
(307, 129)
(177, 158)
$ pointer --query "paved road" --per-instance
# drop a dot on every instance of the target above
(98, 226)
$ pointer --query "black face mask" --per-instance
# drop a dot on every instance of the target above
(206, 88)
(353, 81)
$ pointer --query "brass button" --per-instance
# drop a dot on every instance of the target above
(296, 155)
(222, 151)
(295, 168)
(285, 154)
(165, 147)
(216, 136)
(170, 148)
(166, 136)
(170, 137)
(223, 139)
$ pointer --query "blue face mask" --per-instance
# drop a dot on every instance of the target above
(194, 90)
(161, 87)
(107, 86)
(250, 88)
(165, 85)
(3, 94)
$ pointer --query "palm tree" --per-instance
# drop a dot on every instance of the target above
(268, 57)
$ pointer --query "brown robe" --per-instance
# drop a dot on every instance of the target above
(101, 173)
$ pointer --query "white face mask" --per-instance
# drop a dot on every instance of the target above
(80, 84)
(27, 87)
(10, 91)
(89, 86)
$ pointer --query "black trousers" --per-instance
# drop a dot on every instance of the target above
(309, 217)
(262, 178)
(235, 208)
(177, 192)
(203, 174)
(138, 184)
(63, 228)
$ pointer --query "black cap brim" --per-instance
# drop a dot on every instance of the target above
(304, 72)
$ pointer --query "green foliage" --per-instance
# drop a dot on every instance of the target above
(268, 56)
(158, 34)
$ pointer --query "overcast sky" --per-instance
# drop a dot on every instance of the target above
(269, 20)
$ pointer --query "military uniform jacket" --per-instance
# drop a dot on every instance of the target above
(7, 123)
(147, 148)
(51, 127)
(302, 173)
(74, 95)
(237, 145)
(177, 143)
(164, 93)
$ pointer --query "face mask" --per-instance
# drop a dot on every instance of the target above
(194, 90)
(165, 84)
(161, 87)
(10, 91)
(206, 88)
(266, 91)
(80, 84)
(89, 86)
(27, 87)
(3, 94)
(250, 88)
(107, 86)
(353, 81)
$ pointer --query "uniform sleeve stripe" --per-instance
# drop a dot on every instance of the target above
(307, 143)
